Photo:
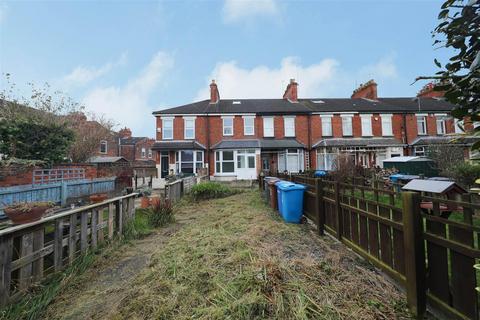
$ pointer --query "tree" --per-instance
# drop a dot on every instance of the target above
(459, 30)
(447, 157)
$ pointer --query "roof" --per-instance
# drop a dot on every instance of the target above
(177, 145)
(131, 140)
(100, 159)
(267, 144)
(358, 142)
(237, 144)
(280, 144)
(407, 159)
(460, 140)
(433, 186)
(333, 105)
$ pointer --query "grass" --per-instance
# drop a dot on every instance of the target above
(210, 190)
(34, 303)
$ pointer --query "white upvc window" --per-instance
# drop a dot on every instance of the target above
(422, 124)
(224, 161)
(167, 128)
(227, 126)
(189, 130)
(441, 124)
(366, 125)
(386, 125)
(289, 125)
(268, 127)
(188, 161)
(347, 124)
(458, 125)
(103, 146)
(248, 125)
(326, 125)
(144, 152)
(291, 160)
(150, 154)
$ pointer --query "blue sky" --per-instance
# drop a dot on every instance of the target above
(127, 59)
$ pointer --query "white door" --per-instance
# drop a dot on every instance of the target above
(246, 165)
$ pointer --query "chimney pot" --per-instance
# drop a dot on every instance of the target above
(214, 94)
(368, 90)
(291, 92)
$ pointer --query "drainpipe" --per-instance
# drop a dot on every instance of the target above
(208, 142)
(309, 144)
(404, 131)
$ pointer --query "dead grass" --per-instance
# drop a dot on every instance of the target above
(235, 259)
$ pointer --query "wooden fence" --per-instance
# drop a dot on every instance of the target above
(175, 189)
(30, 252)
(427, 252)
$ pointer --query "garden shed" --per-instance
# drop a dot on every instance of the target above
(411, 165)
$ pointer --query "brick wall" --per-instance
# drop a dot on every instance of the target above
(356, 126)
(337, 126)
(431, 125)
(376, 125)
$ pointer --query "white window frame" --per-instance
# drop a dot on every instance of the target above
(419, 151)
(225, 127)
(345, 123)
(421, 118)
(283, 159)
(150, 153)
(166, 120)
(441, 125)
(190, 120)
(387, 119)
(289, 129)
(366, 119)
(326, 119)
(219, 159)
(178, 160)
(267, 131)
(144, 153)
(248, 130)
(104, 142)
(456, 123)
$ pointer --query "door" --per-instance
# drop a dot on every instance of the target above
(164, 165)
(246, 166)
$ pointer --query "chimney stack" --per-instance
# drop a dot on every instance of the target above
(125, 133)
(428, 91)
(214, 94)
(291, 93)
(368, 90)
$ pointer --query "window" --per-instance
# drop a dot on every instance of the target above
(246, 159)
(103, 146)
(224, 162)
(289, 124)
(291, 160)
(419, 151)
(387, 125)
(325, 160)
(268, 127)
(167, 125)
(249, 126)
(422, 124)
(347, 125)
(441, 125)
(150, 153)
(326, 125)
(366, 125)
(189, 128)
(228, 126)
(188, 161)
(144, 152)
(458, 126)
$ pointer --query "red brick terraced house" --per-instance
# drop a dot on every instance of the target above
(237, 138)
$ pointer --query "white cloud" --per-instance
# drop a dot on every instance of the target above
(238, 10)
(325, 78)
(82, 75)
(128, 104)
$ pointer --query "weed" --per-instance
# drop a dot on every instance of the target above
(211, 190)
(161, 213)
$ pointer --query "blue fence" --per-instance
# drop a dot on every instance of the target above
(55, 192)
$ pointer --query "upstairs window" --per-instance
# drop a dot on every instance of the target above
(366, 125)
(248, 126)
(347, 125)
(150, 153)
(103, 146)
(189, 128)
(387, 125)
(458, 125)
(268, 127)
(167, 128)
(441, 127)
(422, 125)
(228, 126)
(326, 125)
(289, 125)
(144, 152)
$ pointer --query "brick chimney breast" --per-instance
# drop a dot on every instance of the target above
(125, 133)
(214, 94)
(368, 90)
(291, 93)
(428, 91)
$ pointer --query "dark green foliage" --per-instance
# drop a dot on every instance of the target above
(161, 213)
(210, 190)
(466, 173)
(34, 140)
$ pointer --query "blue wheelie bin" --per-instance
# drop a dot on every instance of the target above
(279, 194)
(290, 203)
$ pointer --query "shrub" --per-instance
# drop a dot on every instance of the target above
(210, 190)
(161, 213)
(466, 173)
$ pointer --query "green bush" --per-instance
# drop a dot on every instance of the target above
(161, 213)
(466, 173)
(210, 190)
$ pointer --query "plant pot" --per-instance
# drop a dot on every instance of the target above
(96, 198)
(20, 217)
(145, 202)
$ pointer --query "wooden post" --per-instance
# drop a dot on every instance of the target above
(100, 225)
(72, 238)
(6, 250)
(94, 228)
(338, 211)
(110, 220)
(58, 245)
(84, 232)
(414, 254)
(26, 249)
(118, 217)
(320, 207)
(38, 243)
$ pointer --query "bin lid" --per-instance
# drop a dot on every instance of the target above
(320, 173)
(291, 186)
(272, 180)
(279, 182)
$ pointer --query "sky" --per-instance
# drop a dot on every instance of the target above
(125, 59)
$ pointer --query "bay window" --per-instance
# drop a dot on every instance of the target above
(248, 126)
(387, 125)
(228, 126)
(366, 124)
(326, 125)
(167, 128)
(289, 125)
(224, 162)
(291, 160)
(422, 124)
(347, 124)
(268, 127)
(189, 127)
(188, 161)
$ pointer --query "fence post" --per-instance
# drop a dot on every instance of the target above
(338, 211)
(320, 207)
(414, 253)
(64, 193)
